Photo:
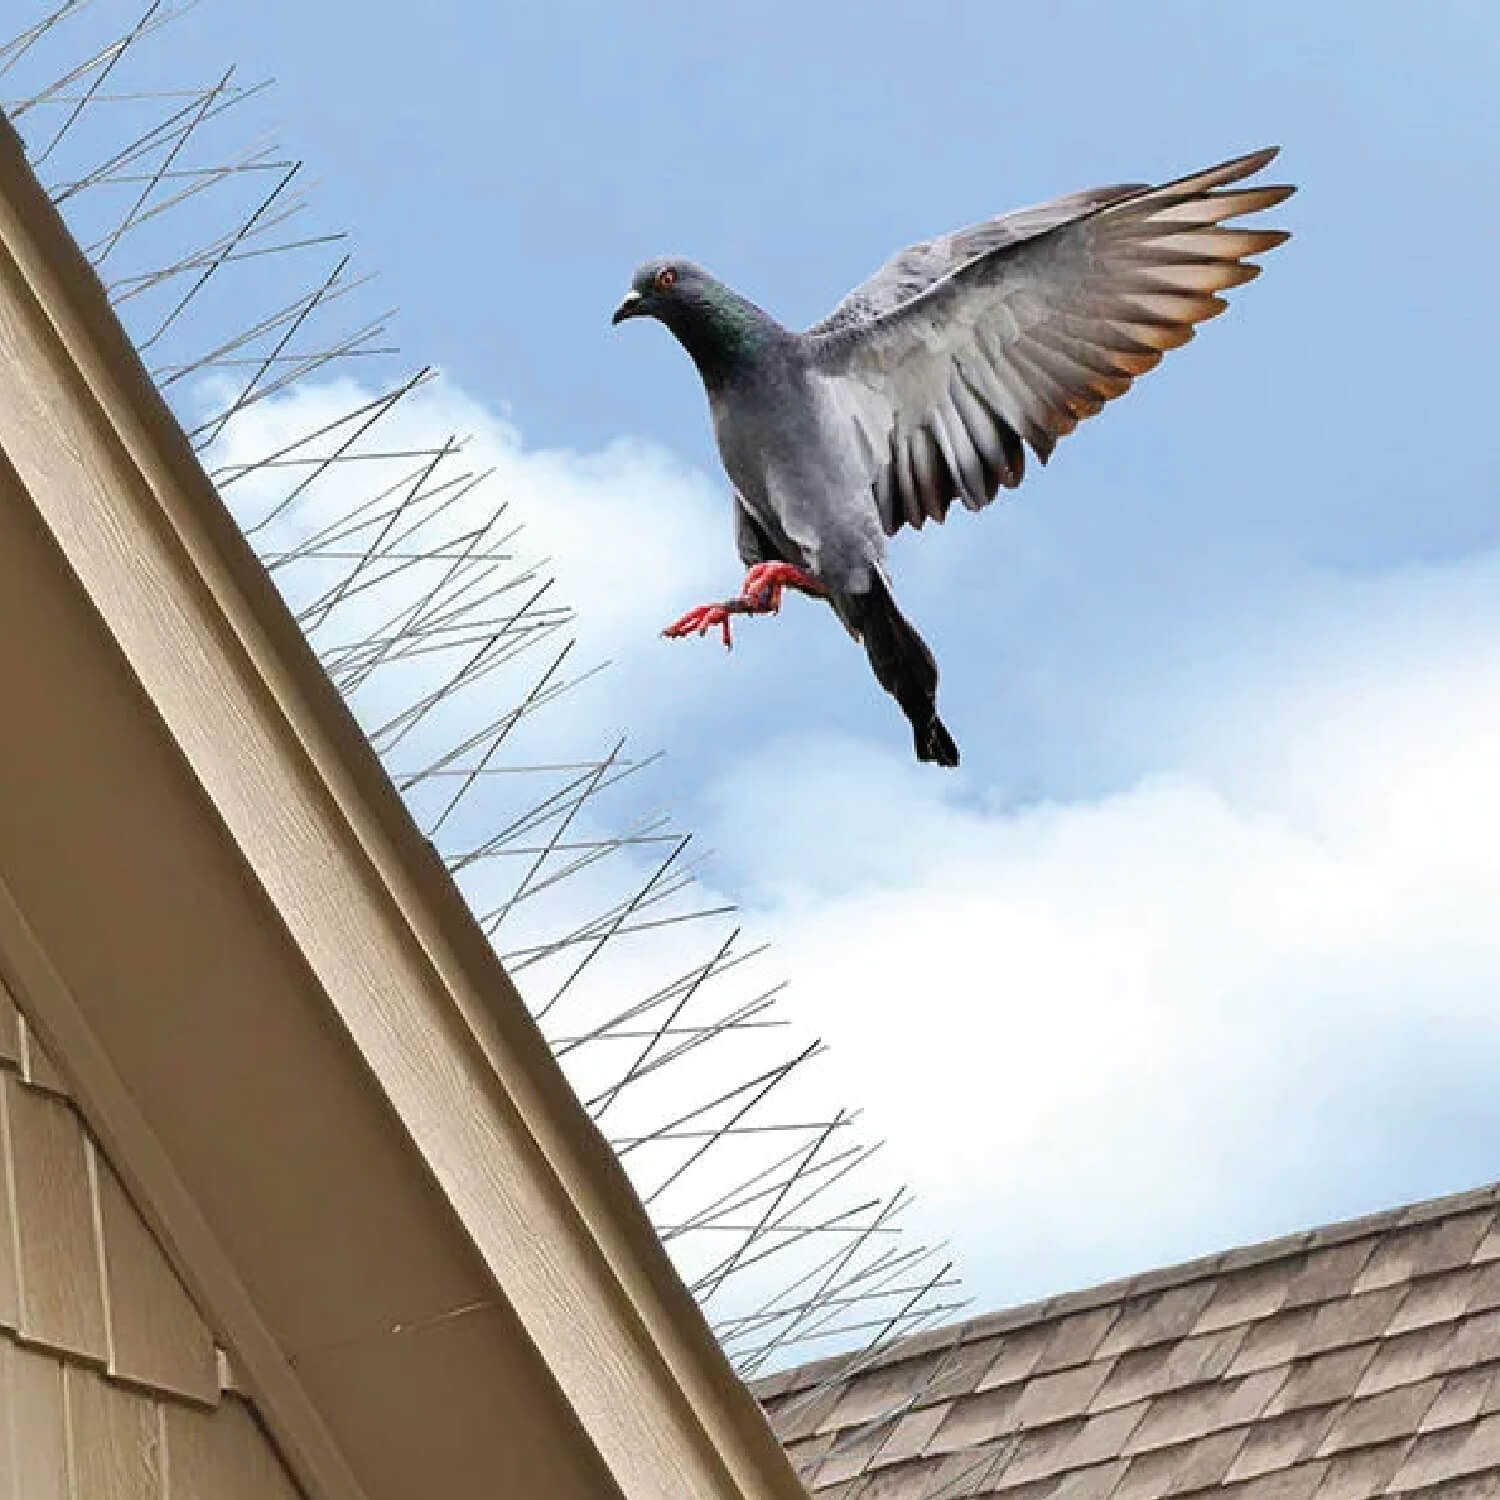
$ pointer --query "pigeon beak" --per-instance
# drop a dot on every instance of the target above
(631, 307)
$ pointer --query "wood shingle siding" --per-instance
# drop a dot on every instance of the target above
(80, 1273)
(57, 1263)
(109, 1385)
(156, 1337)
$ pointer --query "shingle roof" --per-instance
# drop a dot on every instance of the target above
(1353, 1361)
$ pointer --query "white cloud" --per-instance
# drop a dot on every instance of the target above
(629, 534)
(1247, 990)
(1107, 1033)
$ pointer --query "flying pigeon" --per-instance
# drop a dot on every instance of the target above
(928, 382)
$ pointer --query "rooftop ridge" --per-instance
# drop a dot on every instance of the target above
(1044, 1309)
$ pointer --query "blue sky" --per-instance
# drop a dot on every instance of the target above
(1197, 947)
(505, 167)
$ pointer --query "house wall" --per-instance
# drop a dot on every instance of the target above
(275, 1010)
(110, 1381)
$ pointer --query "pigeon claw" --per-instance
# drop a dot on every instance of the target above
(764, 583)
(759, 595)
(701, 620)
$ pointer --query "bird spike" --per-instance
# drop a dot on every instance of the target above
(401, 562)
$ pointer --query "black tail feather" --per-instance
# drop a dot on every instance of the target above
(903, 666)
(940, 745)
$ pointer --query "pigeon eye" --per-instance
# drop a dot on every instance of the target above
(666, 279)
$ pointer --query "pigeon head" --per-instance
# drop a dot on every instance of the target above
(717, 327)
(663, 287)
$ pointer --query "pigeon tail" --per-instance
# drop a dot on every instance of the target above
(903, 666)
(940, 744)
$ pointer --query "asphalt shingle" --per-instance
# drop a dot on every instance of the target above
(1353, 1361)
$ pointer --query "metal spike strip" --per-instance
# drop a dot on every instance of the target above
(403, 566)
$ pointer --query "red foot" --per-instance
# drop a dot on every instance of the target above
(703, 619)
(759, 595)
(765, 581)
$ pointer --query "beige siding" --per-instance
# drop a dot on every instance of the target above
(62, 1300)
(109, 1378)
(156, 1337)
(92, 1281)
(116, 1440)
(10, 1290)
(69, 1433)
(223, 1454)
(10, 1020)
(33, 1402)
(36, 1067)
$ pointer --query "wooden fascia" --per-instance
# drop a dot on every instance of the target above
(369, 906)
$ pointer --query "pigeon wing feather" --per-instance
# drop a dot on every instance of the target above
(1014, 330)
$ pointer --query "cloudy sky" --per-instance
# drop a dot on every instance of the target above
(1200, 945)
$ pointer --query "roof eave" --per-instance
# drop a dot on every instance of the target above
(223, 678)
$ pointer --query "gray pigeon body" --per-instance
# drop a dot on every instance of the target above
(930, 381)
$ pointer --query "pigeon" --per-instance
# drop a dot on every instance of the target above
(929, 382)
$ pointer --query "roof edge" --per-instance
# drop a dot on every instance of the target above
(1142, 1283)
(363, 865)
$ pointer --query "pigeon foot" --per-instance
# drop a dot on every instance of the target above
(764, 583)
(701, 620)
(759, 595)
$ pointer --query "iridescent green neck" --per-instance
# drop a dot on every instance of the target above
(722, 331)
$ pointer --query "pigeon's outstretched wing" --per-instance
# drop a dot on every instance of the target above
(959, 349)
(915, 268)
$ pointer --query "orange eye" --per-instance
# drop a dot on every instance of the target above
(666, 279)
